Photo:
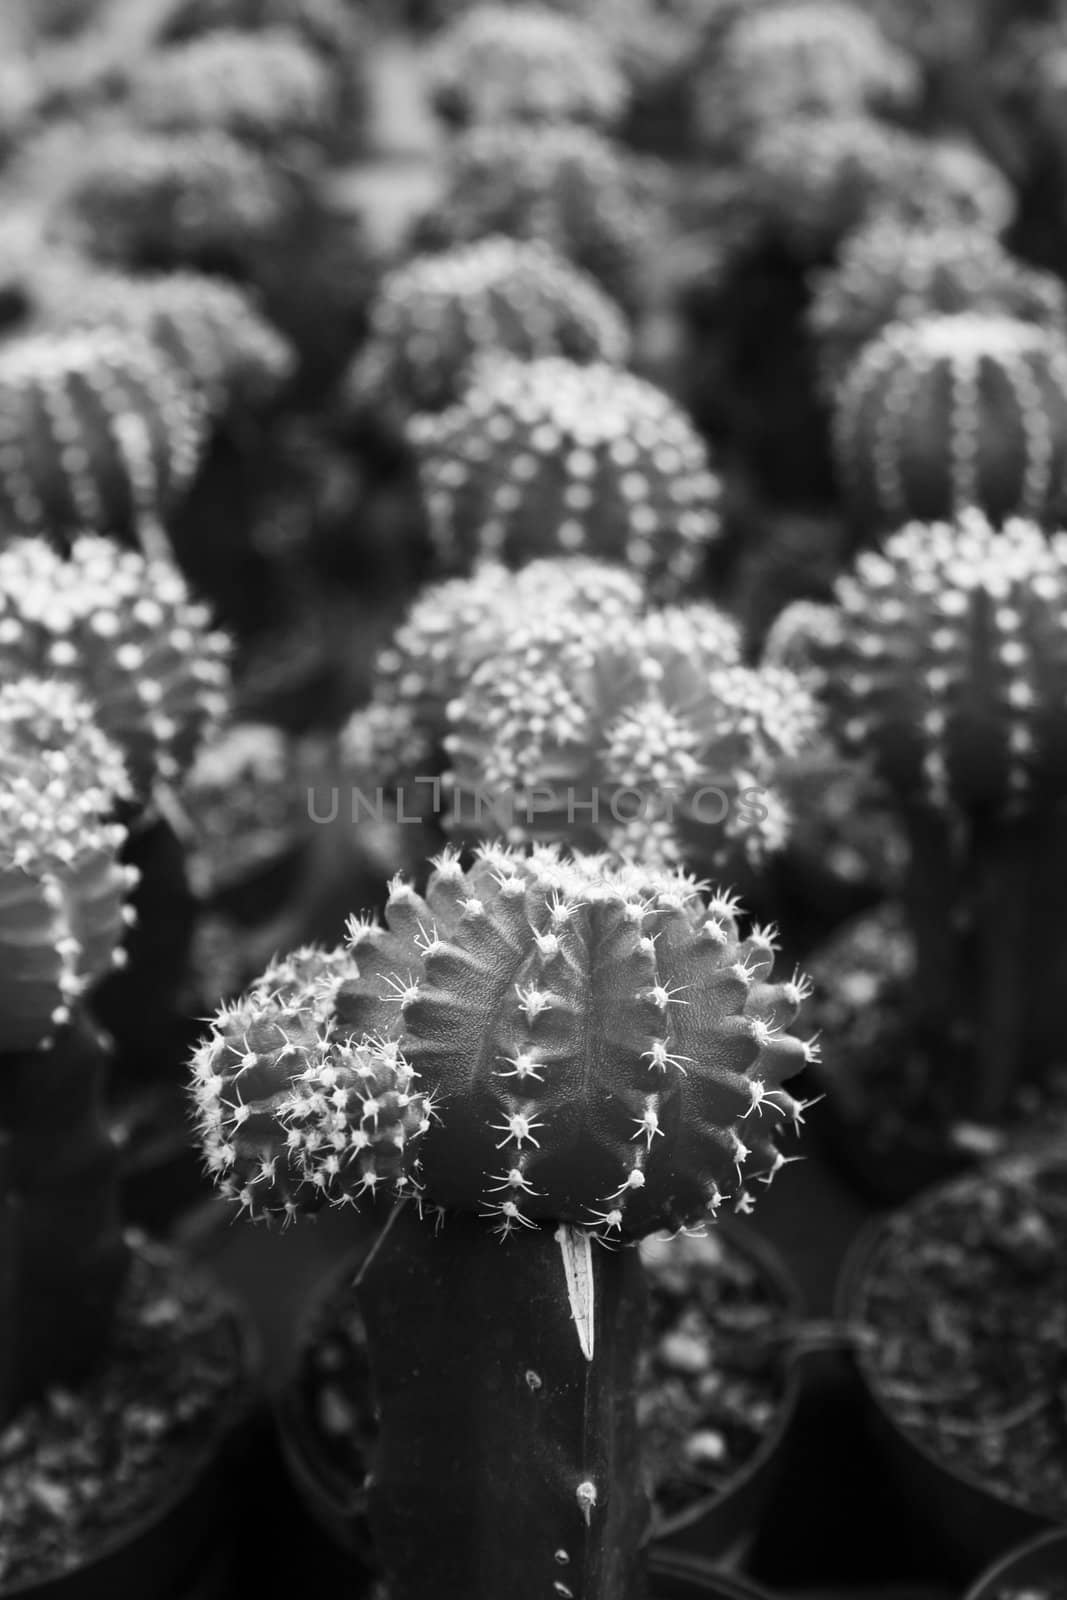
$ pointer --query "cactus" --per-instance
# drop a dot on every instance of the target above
(946, 667)
(435, 316)
(562, 184)
(547, 456)
(124, 633)
(889, 274)
(96, 430)
(540, 1053)
(524, 63)
(951, 412)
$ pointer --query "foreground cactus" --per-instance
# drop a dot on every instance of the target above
(542, 1052)
(955, 411)
(547, 456)
(524, 63)
(435, 316)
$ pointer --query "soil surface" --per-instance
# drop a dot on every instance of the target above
(78, 1471)
(965, 1306)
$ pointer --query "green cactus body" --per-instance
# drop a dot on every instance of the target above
(96, 431)
(564, 185)
(888, 274)
(125, 634)
(951, 412)
(524, 63)
(548, 457)
(435, 316)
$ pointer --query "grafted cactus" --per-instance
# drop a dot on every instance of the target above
(524, 63)
(436, 315)
(124, 632)
(562, 184)
(955, 411)
(542, 1052)
(547, 456)
(890, 274)
(97, 430)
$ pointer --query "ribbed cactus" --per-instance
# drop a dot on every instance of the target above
(890, 274)
(524, 63)
(563, 184)
(124, 632)
(955, 411)
(546, 456)
(436, 315)
(97, 431)
(542, 1052)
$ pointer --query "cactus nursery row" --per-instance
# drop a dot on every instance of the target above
(533, 799)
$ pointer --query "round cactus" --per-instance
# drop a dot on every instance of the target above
(208, 329)
(956, 411)
(524, 63)
(124, 632)
(267, 89)
(434, 316)
(890, 274)
(547, 456)
(948, 664)
(562, 184)
(537, 1040)
(246, 796)
(62, 888)
(97, 430)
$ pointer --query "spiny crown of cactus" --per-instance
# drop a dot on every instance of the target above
(62, 889)
(547, 456)
(267, 88)
(889, 274)
(434, 316)
(97, 430)
(949, 664)
(815, 179)
(563, 184)
(124, 632)
(159, 201)
(209, 329)
(950, 412)
(538, 1040)
(450, 629)
(524, 63)
(653, 740)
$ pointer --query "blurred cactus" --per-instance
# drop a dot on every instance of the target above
(246, 799)
(955, 411)
(525, 63)
(890, 274)
(125, 634)
(97, 430)
(547, 457)
(564, 185)
(433, 317)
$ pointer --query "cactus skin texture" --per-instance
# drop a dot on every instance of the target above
(524, 63)
(952, 412)
(890, 274)
(96, 430)
(547, 457)
(125, 634)
(435, 316)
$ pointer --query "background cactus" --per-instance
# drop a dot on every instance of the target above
(890, 274)
(526, 63)
(124, 632)
(571, 1091)
(548, 456)
(97, 430)
(951, 412)
(436, 315)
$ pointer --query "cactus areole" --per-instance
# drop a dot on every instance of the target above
(542, 1056)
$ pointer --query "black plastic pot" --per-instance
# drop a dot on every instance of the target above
(885, 1174)
(1042, 1560)
(966, 1525)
